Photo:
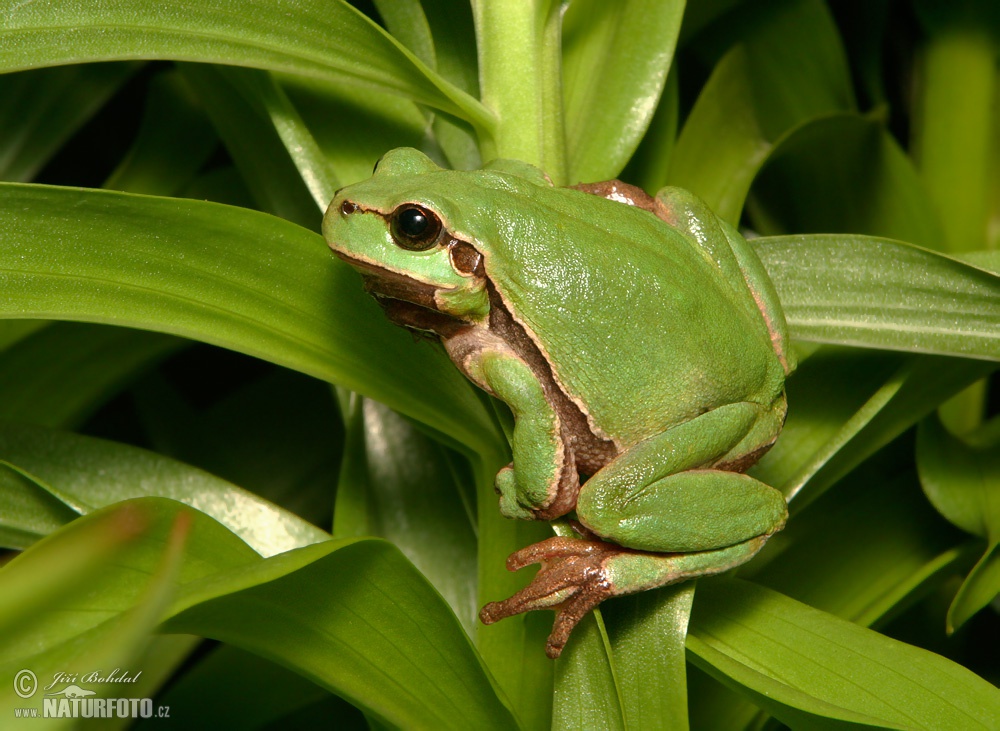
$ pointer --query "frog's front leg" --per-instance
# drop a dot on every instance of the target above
(670, 515)
(542, 482)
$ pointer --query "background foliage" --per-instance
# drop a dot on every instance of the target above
(156, 352)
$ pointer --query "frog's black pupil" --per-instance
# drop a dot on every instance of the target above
(413, 222)
(414, 227)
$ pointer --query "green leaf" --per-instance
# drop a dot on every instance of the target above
(175, 139)
(864, 551)
(56, 569)
(354, 127)
(864, 291)
(812, 670)
(235, 438)
(701, 14)
(615, 62)
(13, 331)
(843, 173)
(519, 74)
(586, 691)
(27, 511)
(342, 613)
(798, 68)
(42, 109)
(94, 630)
(452, 40)
(349, 611)
(514, 648)
(776, 67)
(442, 34)
(88, 474)
(980, 588)
(262, 90)
(955, 118)
(310, 38)
(227, 276)
(988, 260)
(233, 688)
(883, 394)
(961, 478)
(827, 394)
(162, 660)
(712, 705)
(221, 185)
(647, 633)
(650, 164)
(397, 484)
(231, 97)
(722, 145)
(866, 548)
(62, 373)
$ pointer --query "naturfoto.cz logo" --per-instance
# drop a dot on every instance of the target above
(74, 700)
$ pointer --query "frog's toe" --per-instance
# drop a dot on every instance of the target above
(550, 549)
(569, 615)
(572, 580)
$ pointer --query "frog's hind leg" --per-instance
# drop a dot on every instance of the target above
(666, 493)
(670, 515)
(577, 575)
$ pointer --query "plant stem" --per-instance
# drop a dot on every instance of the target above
(952, 140)
(953, 136)
(514, 648)
(519, 77)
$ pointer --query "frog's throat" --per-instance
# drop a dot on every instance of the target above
(407, 302)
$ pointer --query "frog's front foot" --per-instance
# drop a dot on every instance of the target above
(573, 580)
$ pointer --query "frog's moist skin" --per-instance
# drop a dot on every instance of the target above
(637, 341)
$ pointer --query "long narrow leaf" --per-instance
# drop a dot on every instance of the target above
(175, 139)
(616, 56)
(812, 670)
(61, 374)
(227, 276)
(311, 38)
(340, 613)
(88, 474)
(877, 293)
(395, 483)
(586, 691)
(43, 108)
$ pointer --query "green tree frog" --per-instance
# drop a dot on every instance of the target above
(637, 340)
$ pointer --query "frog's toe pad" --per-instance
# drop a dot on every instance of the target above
(572, 580)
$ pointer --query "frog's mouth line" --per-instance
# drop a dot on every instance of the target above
(406, 301)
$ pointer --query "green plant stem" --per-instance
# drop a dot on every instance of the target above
(519, 75)
(511, 649)
(952, 144)
(952, 140)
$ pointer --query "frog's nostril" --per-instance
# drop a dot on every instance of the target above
(347, 207)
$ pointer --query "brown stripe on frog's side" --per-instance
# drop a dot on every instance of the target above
(589, 450)
(406, 302)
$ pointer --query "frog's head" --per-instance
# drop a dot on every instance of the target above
(398, 229)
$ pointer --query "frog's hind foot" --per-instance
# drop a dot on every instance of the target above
(573, 580)
(578, 574)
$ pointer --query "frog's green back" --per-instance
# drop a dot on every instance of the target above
(637, 322)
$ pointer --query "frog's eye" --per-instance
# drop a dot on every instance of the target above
(414, 227)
